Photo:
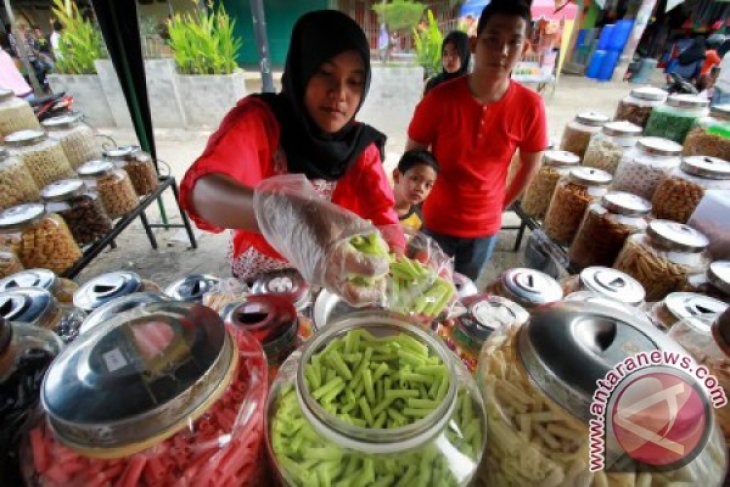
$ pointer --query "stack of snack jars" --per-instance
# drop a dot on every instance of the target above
(710, 136)
(16, 183)
(15, 114)
(681, 306)
(636, 108)
(80, 208)
(643, 167)
(77, 139)
(674, 119)
(113, 185)
(555, 164)
(527, 287)
(608, 146)
(61, 288)
(570, 201)
(138, 165)
(679, 193)
(606, 226)
(44, 157)
(37, 307)
(715, 282)
(663, 257)
(42, 239)
(578, 132)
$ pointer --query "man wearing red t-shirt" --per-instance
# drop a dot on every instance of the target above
(473, 126)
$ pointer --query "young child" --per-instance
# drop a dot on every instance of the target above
(413, 179)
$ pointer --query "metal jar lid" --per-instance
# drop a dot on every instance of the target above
(566, 347)
(649, 93)
(138, 378)
(719, 275)
(658, 146)
(722, 111)
(625, 203)
(17, 217)
(593, 119)
(95, 168)
(62, 122)
(465, 287)
(42, 278)
(23, 138)
(687, 101)
(191, 288)
(706, 167)
(121, 153)
(6, 94)
(102, 289)
(677, 236)
(328, 307)
(63, 190)
(613, 284)
(559, 158)
(590, 176)
(119, 305)
(692, 305)
(530, 287)
(621, 129)
(486, 314)
(25, 304)
(288, 283)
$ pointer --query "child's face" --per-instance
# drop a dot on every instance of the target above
(450, 58)
(415, 185)
(334, 92)
(500, 45)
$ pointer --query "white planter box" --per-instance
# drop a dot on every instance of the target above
(206, 99)
(88, 95)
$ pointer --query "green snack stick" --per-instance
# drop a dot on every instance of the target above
(417, 413)
(422, 403)
(338, 363)
(380, 371)
(401, 394)
(327, 388)
(365, 409)
(368, 382)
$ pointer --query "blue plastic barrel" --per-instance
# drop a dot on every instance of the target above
(605, 72)
(594, 65)
(606, 34)
(581, 38)
(621, 35)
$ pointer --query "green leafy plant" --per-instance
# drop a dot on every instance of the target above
(400, 14)
(428, 46)
(204, 42)
(81, 43)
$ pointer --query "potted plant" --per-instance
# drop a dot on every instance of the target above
(428, 46)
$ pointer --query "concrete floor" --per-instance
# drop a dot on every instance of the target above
(179, 148)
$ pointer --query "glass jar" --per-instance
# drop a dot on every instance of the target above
(113, 185)
(682, 306)
(9, 262)
(594, 298)
(674, 119)
(555, 164)
(606, 226)
(637, 107)
(80, 208)
(663, 257)
(139, 166)
(538, 382)
(16, 183)
(119, 305)
(710, 136)
(608, 146)
(107, 287)
(290, 284)
(154, 396)
(15, 114)
(578, 132)
(192, 287)
(37, 307)
(643, 167)
(465, 334)
(61, 288)
(44, 240)
(714, 283)
(607, 282)
(44, 157)
(386, 430)
(527, 287)
(681, 190)
(25, 354)
(77, 139)
(570, 201)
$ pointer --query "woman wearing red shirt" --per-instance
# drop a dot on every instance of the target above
(308, 129)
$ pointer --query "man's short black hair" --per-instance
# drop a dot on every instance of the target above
(413, 158)
(517, 8)
(57, 25)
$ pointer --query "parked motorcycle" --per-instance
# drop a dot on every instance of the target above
(52, 106)
(678, 85)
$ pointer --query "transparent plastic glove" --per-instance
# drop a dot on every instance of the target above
(316, 237)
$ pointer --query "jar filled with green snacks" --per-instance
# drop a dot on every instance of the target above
(676, 118)
(375, 400)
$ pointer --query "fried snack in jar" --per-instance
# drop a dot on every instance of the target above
(710, 136)
(80, 208)
(643, 167)
(674, 119)
(683, 305)
(15, 114)
(43, 156)
(77, 139)
(138, 165)
(9, 262)
(555, 164)
(608, 146)
(113, 185)
(637, 106)
(16, 183)
(578, 132)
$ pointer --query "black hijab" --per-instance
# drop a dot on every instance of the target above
(461, 41)
(317, 37)
(695, 52)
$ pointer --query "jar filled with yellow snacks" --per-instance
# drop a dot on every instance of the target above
(540, 384)
(44, 157)
(555, 164)
(16, 183)
(9, 262)
(138, 165)
(77, 139)
(715, 282)
(15, 114)
(578, 132)
(62, 289)
(681, 306)
(663, 257)
(608, 146)
(526, 287)
(113, 185)
(710, 136)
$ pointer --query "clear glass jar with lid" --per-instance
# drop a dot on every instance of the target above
(77, 139)
(113, 185)
(607, 282)
(9, 262)
(714, 283)
(539, 383)
(62, 289)
(607, 147)
(681, 306)
(555, 164)
(674, 119)
(526, 287)
(43, 156)
(570, 201)
(606, 226)
(15, 114)
(390, 431)
(104, 288)
(663, 257)
(37, 307)
(679, 193)
(43, 239)
(82, 209)
(643, 167)
(637, 106)
(16, 183)
(139, 166)
(710, 136)
(153, 396)
(578, 132)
